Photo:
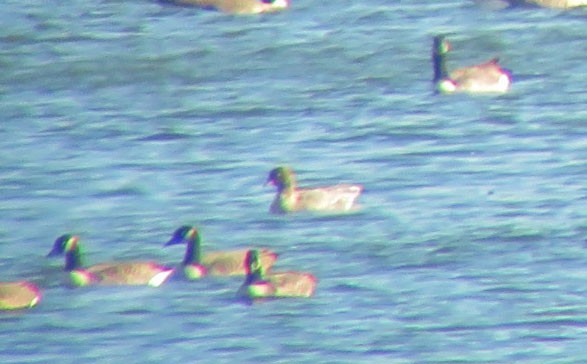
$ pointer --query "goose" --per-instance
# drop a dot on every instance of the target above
(258, 284)
(18, 295)
(114, 273)
(220, 263)
(290, 198)
(486, 77)
(554, 4)
(239, 7)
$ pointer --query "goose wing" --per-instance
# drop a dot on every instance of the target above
(129, 273)
(16, 295)
(332, 198)
(488, 76)
(226, 263)
(293, 284)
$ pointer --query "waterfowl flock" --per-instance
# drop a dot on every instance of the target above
(240, 7)
(256, 264)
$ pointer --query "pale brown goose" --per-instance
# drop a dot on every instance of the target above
(291, 198)
(238, 6)
(220, 263)
(486, 77)
(258, 284)
(18, 295)
(114, 273)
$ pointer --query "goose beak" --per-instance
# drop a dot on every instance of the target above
(54, 252)
(174, 241)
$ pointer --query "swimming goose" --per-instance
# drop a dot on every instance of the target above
(555, 4)
(18, 295)
(221, 263)
(290, 198)
(238, 6)
(258, 284)
(487, 77)
(114, 273)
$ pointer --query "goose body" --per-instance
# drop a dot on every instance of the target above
(18, 295)
(554, 4)
(290, 198)
(113, 273)
(260, 285)
(238, 6)
(221, 263)
(488, 77)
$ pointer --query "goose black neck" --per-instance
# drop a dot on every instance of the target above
(286, 181)
(287, 185)
(73, 259)
(253, 277)
(281, 187)
(193, 252)
(440, 71)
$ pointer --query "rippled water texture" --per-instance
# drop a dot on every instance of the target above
(122, 120)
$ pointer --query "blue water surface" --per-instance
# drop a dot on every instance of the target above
(122, 120)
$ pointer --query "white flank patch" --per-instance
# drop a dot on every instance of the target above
(34, 301)
(503, 84)
(160, 277)
(280, 4)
